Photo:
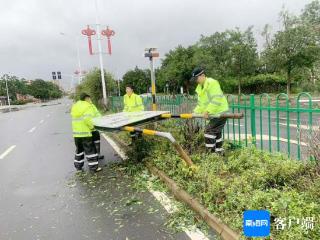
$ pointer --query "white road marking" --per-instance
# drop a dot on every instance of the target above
(236, 124)
(7, 151)
(32, 129)
(41, 121)
(193, 233)
(281, 118)
(264, 138)
(115, 146)
(163, 199)
(304, 127)
(48, 115)
(166, 202)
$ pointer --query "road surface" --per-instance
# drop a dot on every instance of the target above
(42, 196)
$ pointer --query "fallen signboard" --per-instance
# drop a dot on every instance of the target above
(116, 121)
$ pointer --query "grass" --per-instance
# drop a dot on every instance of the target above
(244, 179)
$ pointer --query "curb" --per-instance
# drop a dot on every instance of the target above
(215, 223)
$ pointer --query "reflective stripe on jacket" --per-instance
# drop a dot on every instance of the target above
(132, 103)
(82, 113)
(211, 98)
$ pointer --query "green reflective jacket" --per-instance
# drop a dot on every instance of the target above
(82, 113)
(132, 103)
(96, 112)
(210, 98)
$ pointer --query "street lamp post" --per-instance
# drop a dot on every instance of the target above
(78, 55)
(8, 93)
(104, 93)
(108, 33)
(119, 87)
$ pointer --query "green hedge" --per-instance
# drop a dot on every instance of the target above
(262, 83)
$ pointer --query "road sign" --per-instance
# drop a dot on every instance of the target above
(119, 120)
(59, 75)
(54, 77)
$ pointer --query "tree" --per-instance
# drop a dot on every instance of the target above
(243, 59)
(310, 18)
(292, 48)
(44, 90)
(138, 78)
(311, 14)
(92, 85)
(213, 54)
(15, 85)
(228, 54)
(176, 69)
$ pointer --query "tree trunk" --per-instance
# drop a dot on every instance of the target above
(239, 86)
(288, 82)
(313, 76)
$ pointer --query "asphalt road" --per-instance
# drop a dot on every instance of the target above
(42, 196)
(262, 128)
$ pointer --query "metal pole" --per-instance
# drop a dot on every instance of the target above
(153, 85)
(79, 62)
(119, 87)
(71, 83)
(253, 119)
(8, 93)
(104, 93)
(78, 53)
(166, 135)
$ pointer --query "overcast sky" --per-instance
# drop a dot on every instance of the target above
(32, 47)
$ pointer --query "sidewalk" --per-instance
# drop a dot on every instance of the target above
(4, 109)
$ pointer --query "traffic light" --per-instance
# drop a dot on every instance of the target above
(54, 77)
(59, 75)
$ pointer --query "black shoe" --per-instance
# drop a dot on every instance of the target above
(101, 157)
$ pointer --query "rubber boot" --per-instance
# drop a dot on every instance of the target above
(98, 151)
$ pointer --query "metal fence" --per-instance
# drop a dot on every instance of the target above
(274, 123)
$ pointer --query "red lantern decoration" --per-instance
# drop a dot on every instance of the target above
(89, 32)
(108, 33)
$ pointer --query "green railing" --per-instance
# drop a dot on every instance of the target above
(274, 123)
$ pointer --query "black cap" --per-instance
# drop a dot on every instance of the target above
(83, 96)
(197, 72)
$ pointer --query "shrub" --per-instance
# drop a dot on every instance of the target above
(245, 179)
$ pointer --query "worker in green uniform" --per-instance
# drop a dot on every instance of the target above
(82, 127)
(211, 101)
(132, 103)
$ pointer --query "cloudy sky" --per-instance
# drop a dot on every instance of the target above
(31, 45)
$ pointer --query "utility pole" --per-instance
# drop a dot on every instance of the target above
(119, 87)
(151, 53)
(79, 62)
(104, 93)
(8, 93)
(78, 54)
